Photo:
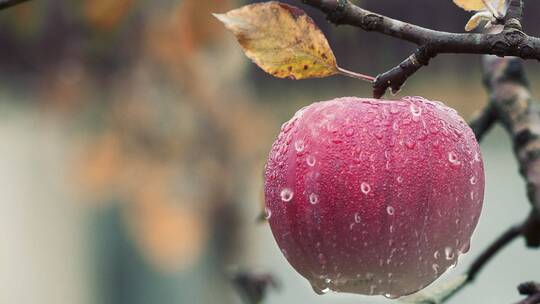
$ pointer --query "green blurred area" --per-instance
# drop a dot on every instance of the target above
(133, 137)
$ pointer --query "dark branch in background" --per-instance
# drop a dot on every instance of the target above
(514, 14)
(511, 104)
(503, 240)
(515, 109)
(483, 122)
(487, 255)
(510, 42)
(9, 3)
(253, 287)
(532, 291)
(532, 299)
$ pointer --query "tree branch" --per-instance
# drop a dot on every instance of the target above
(396, 77)
(531, 229)
(504, 239)
(515, 110)
(514, 14)
(482, 260)
(483, 122)
(9, 3)
(531, 290)
(253, 287)
(509, 42)
(533, 298)
(511, 104)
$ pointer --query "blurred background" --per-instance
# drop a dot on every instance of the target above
(133, 134)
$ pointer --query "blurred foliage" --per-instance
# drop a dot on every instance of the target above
(161, 119)
(166, 146)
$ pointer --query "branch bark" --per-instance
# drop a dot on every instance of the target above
(531, 290)
(504, 239)
(515, 110)
(532, 299)
(514, 14)
(511, 104)
(510, 42)
(253, 287)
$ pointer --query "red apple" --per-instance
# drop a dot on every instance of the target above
(374, 196)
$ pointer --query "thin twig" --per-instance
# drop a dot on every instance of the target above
(483, 122)
(531, 290)
(504, 239)
(531, 228)
(511, 104)
(482, 260)
(486, 256)
(509, 42)
(396, 77)
(253, 287)
(532, 299)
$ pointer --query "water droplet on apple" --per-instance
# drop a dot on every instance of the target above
(320, 291)
(299, 145)
(286, 195)
(435, 268)
(313, 198)
(452, 157)
(415, 110)
(477, 156)
(267, 213)
(310, 160)
(449, 253)
(410, 143)
(391, 296)
(365, 187)
(357, 218)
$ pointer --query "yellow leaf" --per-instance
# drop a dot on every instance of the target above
(282, 40)
(479, 5)
(471, 5)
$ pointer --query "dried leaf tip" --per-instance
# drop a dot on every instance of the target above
(496, 8)
(282, 40)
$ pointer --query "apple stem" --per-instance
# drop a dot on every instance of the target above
(355, 75)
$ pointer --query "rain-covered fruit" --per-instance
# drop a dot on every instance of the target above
(374, 197)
